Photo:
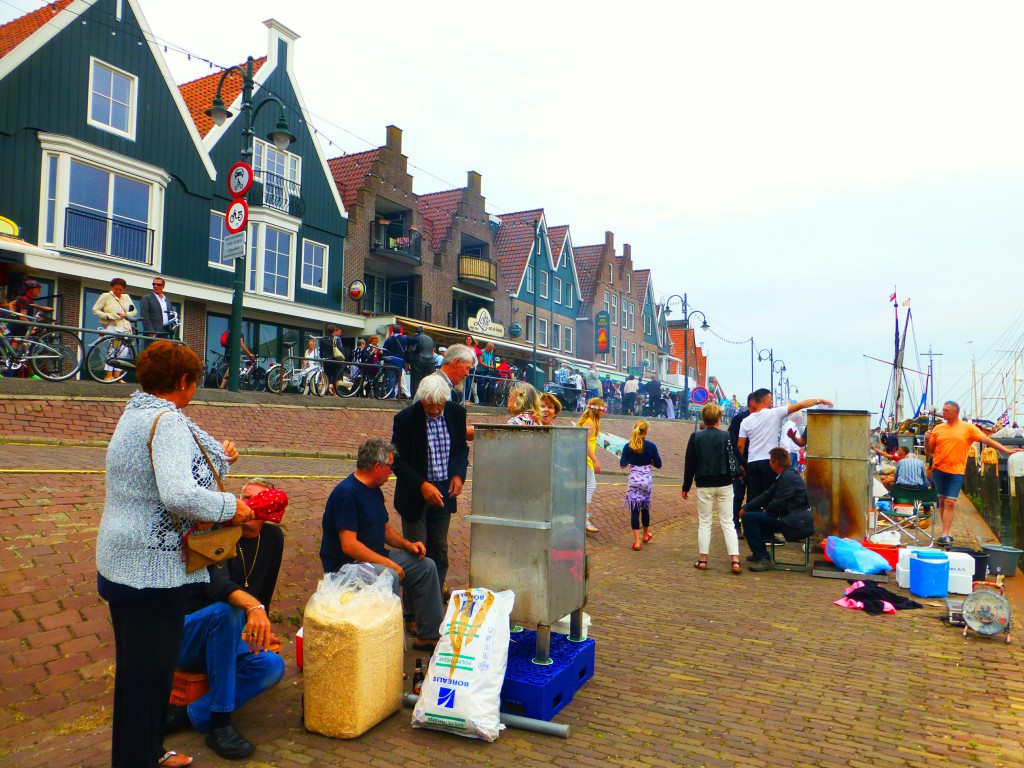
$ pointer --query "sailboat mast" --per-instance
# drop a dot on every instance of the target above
(897, 372)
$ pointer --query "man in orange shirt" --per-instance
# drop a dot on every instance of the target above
(948, 445)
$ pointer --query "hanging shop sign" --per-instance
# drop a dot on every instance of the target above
(602, 324)
(482, 322)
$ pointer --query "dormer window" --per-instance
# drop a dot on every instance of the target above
(112, 99)
(279, 174)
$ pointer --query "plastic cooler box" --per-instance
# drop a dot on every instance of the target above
(540, 692)
(961, 573)
(903, 576)
(929, 574)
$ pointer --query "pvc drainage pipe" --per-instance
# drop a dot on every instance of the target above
(513, 721)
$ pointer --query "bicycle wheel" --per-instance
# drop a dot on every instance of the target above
(348, 387)
(56, 356)
(318, 383)
(254, 381)
(110, 356)
(381, 387)
(277, 378)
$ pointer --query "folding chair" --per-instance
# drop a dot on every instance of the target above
(787, 565)
(911, 508)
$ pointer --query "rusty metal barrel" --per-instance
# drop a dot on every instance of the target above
(839, 471)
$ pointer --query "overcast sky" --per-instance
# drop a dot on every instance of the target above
(784, 164)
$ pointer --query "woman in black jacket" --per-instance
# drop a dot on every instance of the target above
(711, 462)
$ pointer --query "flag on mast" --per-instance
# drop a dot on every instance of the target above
(892, 299)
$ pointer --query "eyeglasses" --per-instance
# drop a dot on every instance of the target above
(158, 285)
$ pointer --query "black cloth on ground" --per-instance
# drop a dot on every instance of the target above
(872, 596)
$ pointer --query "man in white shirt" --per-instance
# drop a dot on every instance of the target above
(759, 433)
(155, 310)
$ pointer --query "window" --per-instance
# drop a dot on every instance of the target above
(629, 283)
(278, 172)
(614, 349)
(625, 314)
(557, 286)
(606, 301)
(632, 319)
(314, 266)
(99, 202)
(218, 231)
(529, 279)
(529, 328)
(270, 260)
(624, 361)
(569, 291)
(634, 354)
(648, 325)
(611, 274)
(568, 339)
(111, 99)
(614, 312)
(556, 336)
(544, 277)
(542, 332)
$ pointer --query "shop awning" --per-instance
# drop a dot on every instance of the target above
(16, 244)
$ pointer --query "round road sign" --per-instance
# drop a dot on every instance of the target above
(237, 216)
(698, 395)
(239, 178)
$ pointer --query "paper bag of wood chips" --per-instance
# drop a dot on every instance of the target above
(352, 652)
(462, 691)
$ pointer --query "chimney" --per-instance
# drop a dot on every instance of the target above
(609, 241)
(394, 140)
(627, 253)
(475, 182)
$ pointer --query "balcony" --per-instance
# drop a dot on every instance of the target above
(397, 241)
(87, 231)
(478, 271)
(383, 303)
(272, 191)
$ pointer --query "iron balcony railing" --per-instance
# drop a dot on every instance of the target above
(273, 191)
(87, 231)
(394, 239)
(478, 270)
(383, 303)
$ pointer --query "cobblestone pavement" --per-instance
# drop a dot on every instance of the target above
(693, 668)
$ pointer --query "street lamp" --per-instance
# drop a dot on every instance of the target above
(281, 137)
(771, 363)
(686, 345)
(779, 367)
(536, 283)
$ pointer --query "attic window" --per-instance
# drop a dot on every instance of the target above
(112, 99)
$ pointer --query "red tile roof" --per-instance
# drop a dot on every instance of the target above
(437, 209)
(641, 277)
(198, 94)
(349, 172)
(588, 264)
(556, 237)
(14, 33)
(514, 243)
(697, 359)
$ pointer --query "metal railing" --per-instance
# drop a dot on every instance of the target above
(273, 191)
(478, 270)
(384, 303)
(395, 239)
(92, 232)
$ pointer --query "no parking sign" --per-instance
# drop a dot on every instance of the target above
(698, 395)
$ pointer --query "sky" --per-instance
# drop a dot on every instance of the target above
(787, 166)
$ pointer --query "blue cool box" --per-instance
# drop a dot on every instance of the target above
(540, 692)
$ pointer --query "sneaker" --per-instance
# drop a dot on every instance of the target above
(759, 566)
(944, 540)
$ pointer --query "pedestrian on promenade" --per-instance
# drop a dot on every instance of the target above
(591, 419)
(782, 509)
(116, 312)
(550, 407)
(760, 432)
(162, 477)
(470, 390)
(739, 483)
(420, 357)
(523, 404)
(712, 463)
(593, 381)
(456, 366)
(629, 389)
(156, 313)
(641, 456)
(333, 356)
(948, 444)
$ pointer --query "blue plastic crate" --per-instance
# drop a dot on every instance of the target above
(540, 692)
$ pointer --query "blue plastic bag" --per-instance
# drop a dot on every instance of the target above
(850, 555)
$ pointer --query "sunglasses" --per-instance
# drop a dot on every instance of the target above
(158, 285)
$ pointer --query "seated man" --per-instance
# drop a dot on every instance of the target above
(227, 635)
(356, 529)
(783, 508)
(910, 472)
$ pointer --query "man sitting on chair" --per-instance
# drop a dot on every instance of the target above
(910, 471)
(783, 508)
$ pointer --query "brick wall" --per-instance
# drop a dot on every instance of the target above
(194, 327)
(70, 290)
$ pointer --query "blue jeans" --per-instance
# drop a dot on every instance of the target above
(212, 644)
(758, 525)
(394, 369)
(422, 590)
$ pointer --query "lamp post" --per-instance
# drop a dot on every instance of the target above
(779, 367)
(686, 345)
(771, 363)
(536, 283)
(281, 137)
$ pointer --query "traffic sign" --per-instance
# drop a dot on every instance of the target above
(237, 216)
(234, 247)
(699, 395)
(240, 178)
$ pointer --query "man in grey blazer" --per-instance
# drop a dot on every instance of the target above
(155, 311)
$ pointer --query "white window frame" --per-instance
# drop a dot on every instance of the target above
(606, 300)
(529, 328)
(614, 313)
(629, 283)
(625, 313)
(227, 266)
(302, 267)
(632, 316)
(66, 149)
(542, 331)
(624, 360)
(556, 290)
(529, 279)
(133, 99)
(611, 274)
(615, 351)
(568, 340)
(258, 223)
(545, 280)
(633, 350)
(570, 289)
(292, 170)
(556, 335)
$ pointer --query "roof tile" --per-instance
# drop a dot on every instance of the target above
(14, 33)
(515, 242)
(437, 209)
(198, 94)
(588, 264)
(349, 172)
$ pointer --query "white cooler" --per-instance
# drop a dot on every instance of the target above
(903, 574)
(904, 560)
(961, 573)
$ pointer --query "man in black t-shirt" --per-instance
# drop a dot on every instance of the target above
(739, 485)
(235, 604)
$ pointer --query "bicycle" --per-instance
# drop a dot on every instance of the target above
(376, 384)
(251, 378)
(500, 387)
(53, 355)
(112, 356)
(306, 378)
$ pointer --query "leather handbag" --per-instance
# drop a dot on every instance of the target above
(202, 548)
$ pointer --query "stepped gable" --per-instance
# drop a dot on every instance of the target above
(349, 171)
(588, 261)
(438, 208)
(514, 243)
(15, 32)
(198, 94)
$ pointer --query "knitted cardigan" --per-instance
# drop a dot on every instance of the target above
(138, 544)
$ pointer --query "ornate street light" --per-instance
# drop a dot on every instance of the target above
(281, 137)
(686, 345)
